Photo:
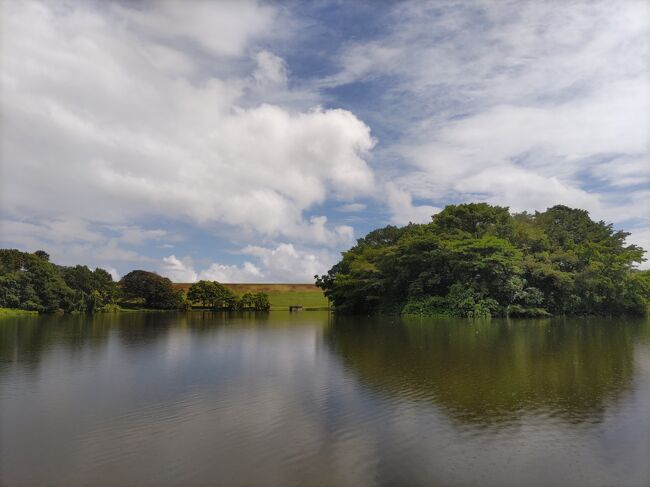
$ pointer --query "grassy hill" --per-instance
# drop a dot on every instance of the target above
(281, 295)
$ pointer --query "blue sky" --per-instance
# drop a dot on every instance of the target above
(253, 141)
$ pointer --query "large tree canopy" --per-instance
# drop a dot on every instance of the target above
(477, 259)
(32, 282)
(154, 291)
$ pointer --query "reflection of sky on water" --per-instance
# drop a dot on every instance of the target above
(273, 404)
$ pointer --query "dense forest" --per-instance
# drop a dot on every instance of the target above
(479, 260)
(29, 281)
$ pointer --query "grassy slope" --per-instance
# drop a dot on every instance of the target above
(9, 312)
(280, 295)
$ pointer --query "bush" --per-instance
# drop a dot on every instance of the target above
(465, 301)
(459, 302)
(431, 306)
(110, 308)
(255, 301)
(517, 310)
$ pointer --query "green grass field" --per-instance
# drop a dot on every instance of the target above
(10, 312)
(281, 296)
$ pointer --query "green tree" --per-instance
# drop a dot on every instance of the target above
(151, 290)
(247, 301)
(97, 287)
(225, 298)
(29, 281)
(204, 292)
(213, 294)
(476, 259)
(258, 301)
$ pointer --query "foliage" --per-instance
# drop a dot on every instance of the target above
(282, 299)
(31, 282)
(96, 289)
(517, 310)
(225, 298)
(12, 312)
(212, 294)
(203, 292)
(479, 260)
(642, 281)
(461, 301)
(151, 290)
(255, 301)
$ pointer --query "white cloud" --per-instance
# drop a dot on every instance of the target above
(116, 114)
(116, 133)
(400, 203)
(271, 69)
(54, 231)
(72, 241)
(641, 237)
(527, 104)
(289, 264)
(221, 28)
(183, 270)
(113, 272)
(178, 270)
(284, 263)
(248, 272)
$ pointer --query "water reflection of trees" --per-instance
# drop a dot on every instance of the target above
(492, 371)
(25, 340)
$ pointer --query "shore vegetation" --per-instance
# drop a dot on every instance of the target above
(30, 283)
(479, 260)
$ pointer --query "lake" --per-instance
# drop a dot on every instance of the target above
(313, 399)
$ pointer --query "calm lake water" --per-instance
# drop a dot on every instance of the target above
(312, 399)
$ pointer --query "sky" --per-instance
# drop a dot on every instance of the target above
(253, 142)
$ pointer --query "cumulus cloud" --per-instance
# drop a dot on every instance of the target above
(184, 270)
(284, 263)
(117, 116)
(400, 203)
(178, 270)
(247, 272)
(107, 117)
(287, 263)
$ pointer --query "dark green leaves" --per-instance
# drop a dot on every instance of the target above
(476, 260)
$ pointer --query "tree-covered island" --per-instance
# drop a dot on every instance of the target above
(478, 260)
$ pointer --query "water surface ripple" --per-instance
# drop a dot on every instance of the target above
(312, 399)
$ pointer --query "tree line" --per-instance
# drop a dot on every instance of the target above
(31, 282)
(212, 294)
(479, 260)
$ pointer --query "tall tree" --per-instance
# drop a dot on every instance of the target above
(477, 259)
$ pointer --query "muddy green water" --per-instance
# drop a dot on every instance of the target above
(310, 399)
